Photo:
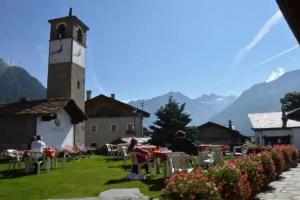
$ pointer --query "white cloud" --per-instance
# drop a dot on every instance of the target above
(267, 27)
(275, 74)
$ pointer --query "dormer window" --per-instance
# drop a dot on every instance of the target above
(61, 31)
(79, 34)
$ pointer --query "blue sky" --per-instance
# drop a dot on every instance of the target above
(144, 48)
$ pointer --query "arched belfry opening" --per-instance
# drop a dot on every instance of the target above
(61, 31)
(79, 34)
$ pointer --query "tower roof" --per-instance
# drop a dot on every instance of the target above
(73, 19)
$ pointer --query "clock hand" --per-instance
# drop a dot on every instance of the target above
(78, 54)
(59, 50)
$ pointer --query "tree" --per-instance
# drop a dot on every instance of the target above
(290, 101)
(170, 118)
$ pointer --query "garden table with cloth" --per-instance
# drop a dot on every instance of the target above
(50, 155)
(149, 148)
(162, 155)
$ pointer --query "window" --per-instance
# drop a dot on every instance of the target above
(93, 128)
(61, 31)
(114, 128)
(130, 127)
(78, 84)
(79, 34)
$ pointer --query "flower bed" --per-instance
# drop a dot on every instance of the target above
(239, 178)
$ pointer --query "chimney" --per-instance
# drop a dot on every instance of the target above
(284, 119)
(88, 94)
(230, 124)
(113, 96)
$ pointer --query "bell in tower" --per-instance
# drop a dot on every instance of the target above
(67, 55)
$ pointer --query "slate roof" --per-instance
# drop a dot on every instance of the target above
(270, 121)
(42, 108)
(103, 106)
(232, 131)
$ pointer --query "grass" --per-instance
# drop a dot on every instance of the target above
(80, 178)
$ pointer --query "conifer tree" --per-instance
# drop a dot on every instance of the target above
(170, 118)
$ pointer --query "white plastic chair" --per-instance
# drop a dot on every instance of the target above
(14, 159)
(36, 158)
(205, 159)
(111, 151)
(218, 157)
(235, 153)
(125, 154)
(181, 163)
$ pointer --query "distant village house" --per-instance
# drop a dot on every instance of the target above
(110, 119)
(213, 133)
(276, 128)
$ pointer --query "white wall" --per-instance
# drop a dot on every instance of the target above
(294, 132)
(56, 136)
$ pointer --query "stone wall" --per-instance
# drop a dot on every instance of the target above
(16, 132)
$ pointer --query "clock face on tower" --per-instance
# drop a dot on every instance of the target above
(78, 55)
(60, 51)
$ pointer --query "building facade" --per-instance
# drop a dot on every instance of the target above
(109, 119)
(66, 69)
(212, 133)
(270, 129)
(54, 119)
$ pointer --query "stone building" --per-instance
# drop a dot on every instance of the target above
(109, 119)
(54, 119)
(212, 133)
(66, 80)
(66, 69)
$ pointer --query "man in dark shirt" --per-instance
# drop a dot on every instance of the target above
(182, 144)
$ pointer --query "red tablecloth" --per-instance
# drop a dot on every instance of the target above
(162, 155)
(50, 153)
(149, 148)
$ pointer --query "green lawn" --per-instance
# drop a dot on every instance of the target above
(80, 178)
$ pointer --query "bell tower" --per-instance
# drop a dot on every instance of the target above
(66, 67)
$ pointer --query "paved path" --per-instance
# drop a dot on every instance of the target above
(288, 187)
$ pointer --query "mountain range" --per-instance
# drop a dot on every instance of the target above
(201, 109)
(263, 97)
(15, 83)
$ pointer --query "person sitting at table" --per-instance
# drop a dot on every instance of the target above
(38, 146)
(142, 155)
(182, 144)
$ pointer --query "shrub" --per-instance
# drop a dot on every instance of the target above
(269, 166)
(195, 185)
(232, 184)
(279, 161)
(255, 171)
(240, 178)
(256, 148)
(289, 153)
